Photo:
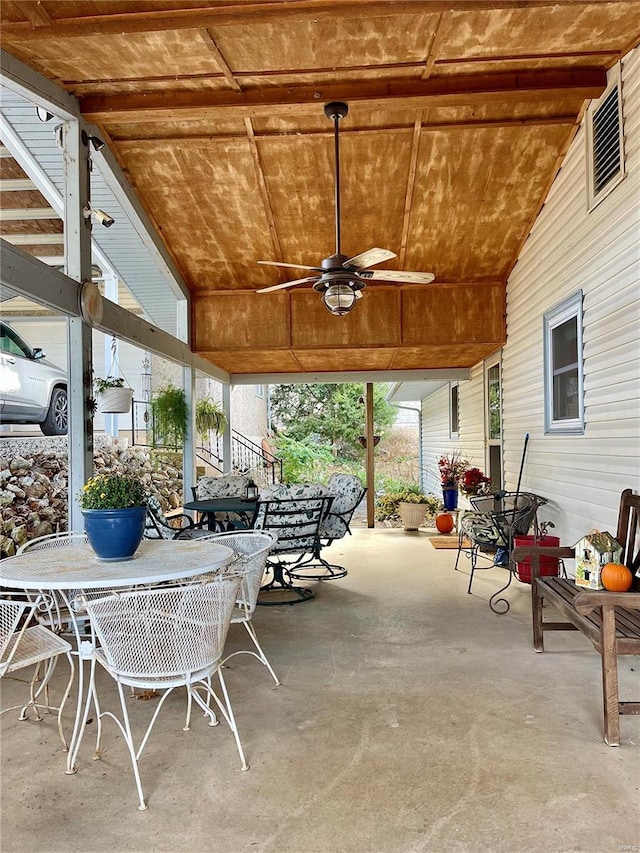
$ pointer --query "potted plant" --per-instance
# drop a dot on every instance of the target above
(549, 566)
(114, 508)
(169, 416)
(451, 466)
(210, 417)
(112, 396)
(474, 482)
(407, 503)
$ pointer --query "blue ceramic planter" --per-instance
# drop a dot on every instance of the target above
(450, 497)
(114, 534)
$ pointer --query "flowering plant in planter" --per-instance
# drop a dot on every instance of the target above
(114, 507)
(101, 385)
(112, 491)
(474, 482)
(451, 467)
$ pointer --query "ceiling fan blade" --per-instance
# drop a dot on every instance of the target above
(290, 266)
(369, 258)
(397, 275)
(287, 284)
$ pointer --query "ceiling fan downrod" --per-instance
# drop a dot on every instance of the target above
(335, 111)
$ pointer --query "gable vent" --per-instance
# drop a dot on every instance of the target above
(606, 141)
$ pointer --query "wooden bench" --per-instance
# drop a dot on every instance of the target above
(610, 620)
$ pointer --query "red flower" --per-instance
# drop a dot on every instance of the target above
(452, 466)
(472, 480)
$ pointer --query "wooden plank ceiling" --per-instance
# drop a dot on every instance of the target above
(459, 115)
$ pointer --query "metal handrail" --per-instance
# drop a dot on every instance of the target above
(246, 455)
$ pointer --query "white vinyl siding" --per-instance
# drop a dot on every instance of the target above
(598, 252)
(568, 250)
(435, 428)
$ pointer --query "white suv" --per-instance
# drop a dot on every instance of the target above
(32, 390)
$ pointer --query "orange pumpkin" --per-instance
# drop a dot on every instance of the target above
(444, 522)
(615, 577)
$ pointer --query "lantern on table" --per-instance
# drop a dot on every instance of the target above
(251, 491)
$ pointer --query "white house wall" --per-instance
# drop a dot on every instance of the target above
(435, 428)
(570, 249)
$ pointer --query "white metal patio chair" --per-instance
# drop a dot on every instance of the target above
(162, 639)
(251, 549)
(21, 647)
(53, 611)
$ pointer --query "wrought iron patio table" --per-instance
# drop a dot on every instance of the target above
(76, 567)
(211, 507)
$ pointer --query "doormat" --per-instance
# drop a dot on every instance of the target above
(442, 542)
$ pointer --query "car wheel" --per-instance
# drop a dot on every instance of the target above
(57, 417)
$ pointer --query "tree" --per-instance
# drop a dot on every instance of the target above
(329, 413)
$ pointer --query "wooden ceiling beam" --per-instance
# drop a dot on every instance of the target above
(432, 53)
(529, 87)
(207, 138)
(248, 14)
(264, 193)
(528, 57)
(411, 179)
(212, 47)
(35, 13)
(424, 68)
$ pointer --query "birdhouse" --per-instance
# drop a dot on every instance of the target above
(594, 551)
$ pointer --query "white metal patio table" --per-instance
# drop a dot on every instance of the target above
(76, 567)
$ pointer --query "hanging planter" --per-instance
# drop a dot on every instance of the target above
(169, 417)
(112, 396)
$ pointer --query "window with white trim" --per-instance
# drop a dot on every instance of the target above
(454, 411)
(605, 141)
(563, 370)
(259, 390)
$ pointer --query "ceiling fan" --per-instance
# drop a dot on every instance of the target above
(339, 278)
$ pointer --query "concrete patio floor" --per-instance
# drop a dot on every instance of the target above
(411, 718)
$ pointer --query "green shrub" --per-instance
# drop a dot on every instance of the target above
(303, 461)
(387, 504)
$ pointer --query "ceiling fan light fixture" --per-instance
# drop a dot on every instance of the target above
(339, 298)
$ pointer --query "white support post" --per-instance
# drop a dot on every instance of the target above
(111, 347)
(227, 450)
(77, 238)
(189, 450)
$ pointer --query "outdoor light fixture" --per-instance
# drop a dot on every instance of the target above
(250, 492)
(43, 114)
(102, 217)
(97, 143)
(339, 298)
